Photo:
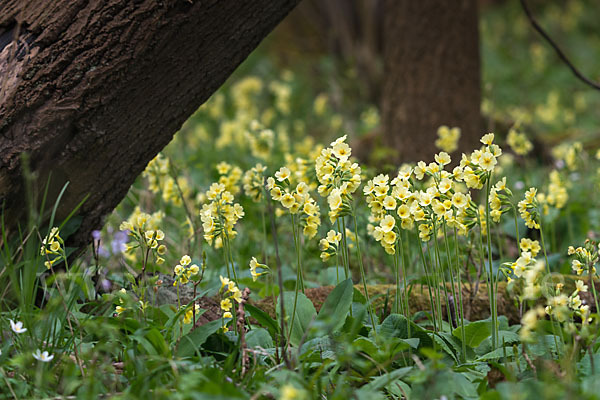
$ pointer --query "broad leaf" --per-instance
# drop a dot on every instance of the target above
(259, 337)
(191, 342)
(336, 306)
(475, 332)
(305, 313)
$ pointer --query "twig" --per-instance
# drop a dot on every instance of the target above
(559, 52)
(528, 360)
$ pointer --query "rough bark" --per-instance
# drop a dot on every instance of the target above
(431, 74)
(94, 89)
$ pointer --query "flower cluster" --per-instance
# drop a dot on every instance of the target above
(145, 238)
(121, 296)
(254, 264)
(297, 201)
(560, 306)
(220, 215)
(338, 177)
(529, 273)
(586, 258)
(185, 270)
(557, 191)
(518, 142)
(499, 200)
(229, 176)
(329, 246)
(189, 314)
(528, 208)
(261, 140)
(52, 246)
(231, 293)
(253, 182)
(156, 172)
(568, 154)
(447, 138)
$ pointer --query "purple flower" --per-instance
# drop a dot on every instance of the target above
(96, 234)
(118, 243)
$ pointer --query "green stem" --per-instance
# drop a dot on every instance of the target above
(428, 278)
(493, 306)
(362, 274)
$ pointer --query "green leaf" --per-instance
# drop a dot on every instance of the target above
(158, 342)
(191, 342)
(442, 343)
(305, 313)
(259, 337)
(336, 306)
(382, 381)
(396, 325)
(475, 332)
(263, 318)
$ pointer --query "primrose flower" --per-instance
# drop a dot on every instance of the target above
(447, 138)
(255, 264)
(17, 327)
(518, 142)
(338, 177)
(184, 271)
(528, 209)
(44, 357)
(253, 182)
(189, 314)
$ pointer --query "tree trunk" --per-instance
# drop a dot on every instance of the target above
(94, 89)
(431, 74)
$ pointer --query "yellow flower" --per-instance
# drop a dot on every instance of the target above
(342, 151)
(488, 139)
(226, 305)
(389, 237)
(387, 223)
(442, 158)
(404, 211)
(282, 174)
(487, 161)
(237, 295)
(185, 260)
(389, 203)
(288, 200)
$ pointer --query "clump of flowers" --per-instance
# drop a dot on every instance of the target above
(254, 264)
(185, 270)
(557, 191)
(52, 248)
(298, 201)
(229, 176)
(447, 138)
(253, 182)
(220, 215)
(568, 154)
(528, 208)
(146, 239)
(518, 142)
(261, 140)
(338, 177)
(330, 244)
(499, 200)
(230, 294)
(156, 172)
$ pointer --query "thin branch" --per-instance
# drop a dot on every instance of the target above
(559, 52)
